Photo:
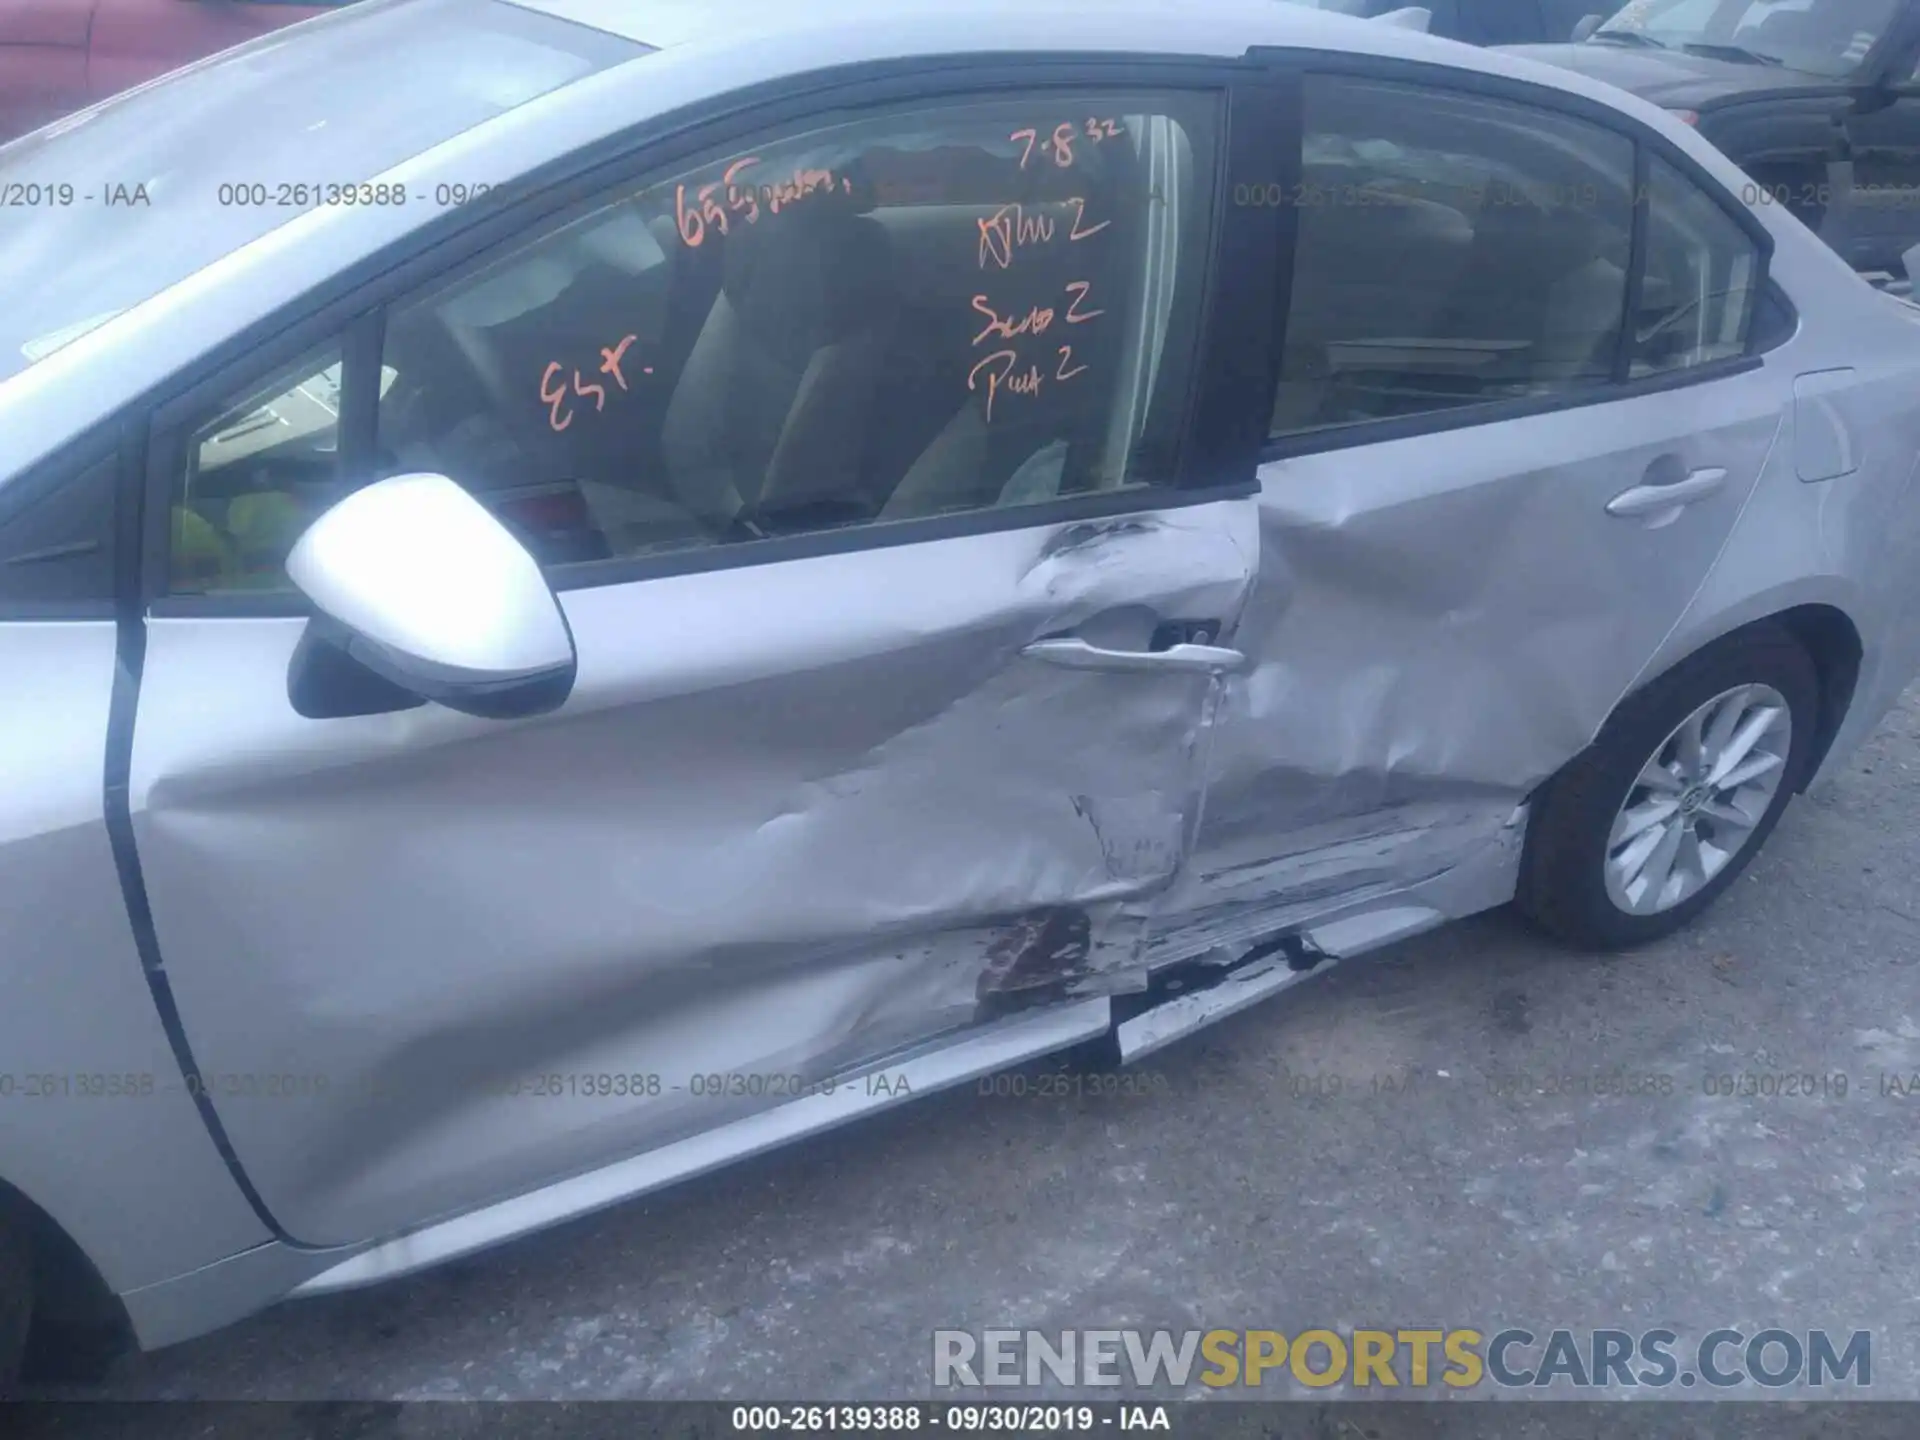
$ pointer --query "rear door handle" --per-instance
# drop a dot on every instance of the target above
(1661, 504)
(1079, 655)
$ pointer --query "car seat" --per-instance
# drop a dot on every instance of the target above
(769, 417)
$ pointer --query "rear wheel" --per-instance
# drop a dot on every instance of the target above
(1644, 829)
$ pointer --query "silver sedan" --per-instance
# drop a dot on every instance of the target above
(586, 590)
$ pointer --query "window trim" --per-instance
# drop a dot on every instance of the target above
(1761, 343)
(353, 304)
(1639, 224)
(1499, 88)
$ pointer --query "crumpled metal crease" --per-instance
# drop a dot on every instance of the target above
(879, 822)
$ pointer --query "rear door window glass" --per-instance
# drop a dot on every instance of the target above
(1453, 250)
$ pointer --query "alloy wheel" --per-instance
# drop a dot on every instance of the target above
(1698, 799)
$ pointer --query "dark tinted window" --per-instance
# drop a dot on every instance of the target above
(1453, 250)
(980, 305)
(1702, 277)
(917, 314)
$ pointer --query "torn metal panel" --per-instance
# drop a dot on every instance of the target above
(1159, 1027)
(1230, 973)
(1237, 926)
(793, 816)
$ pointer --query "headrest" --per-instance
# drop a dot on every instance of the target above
(808, 275)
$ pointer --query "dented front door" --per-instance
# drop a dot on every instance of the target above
(928, 755)
(794, 817)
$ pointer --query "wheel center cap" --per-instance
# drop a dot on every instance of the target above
(1693, 800)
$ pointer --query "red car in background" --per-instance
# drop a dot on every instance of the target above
(57, 56)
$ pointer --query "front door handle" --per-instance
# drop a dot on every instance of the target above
(1661, 504)
(1079, 655)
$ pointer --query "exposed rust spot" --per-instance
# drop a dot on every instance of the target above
(1035, 958)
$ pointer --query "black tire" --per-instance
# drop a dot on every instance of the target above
(16, 1296)
(1562, 885)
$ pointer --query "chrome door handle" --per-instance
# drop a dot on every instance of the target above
(1664, 502)
(1079, 655)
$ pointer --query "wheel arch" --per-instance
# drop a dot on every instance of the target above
(1819, 617)
(1833, 642)
(74, 1309)
(1566, 884)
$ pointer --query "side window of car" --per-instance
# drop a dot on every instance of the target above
(920, 313)
(1702, 274)
(1452, 250)
(256, 471)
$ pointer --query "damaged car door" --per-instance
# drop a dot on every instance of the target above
(1515, 424)
(860, 450)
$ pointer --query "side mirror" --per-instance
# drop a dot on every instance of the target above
(1588, 24)
(416, 581)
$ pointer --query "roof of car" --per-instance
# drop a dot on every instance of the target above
(1218, 27)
